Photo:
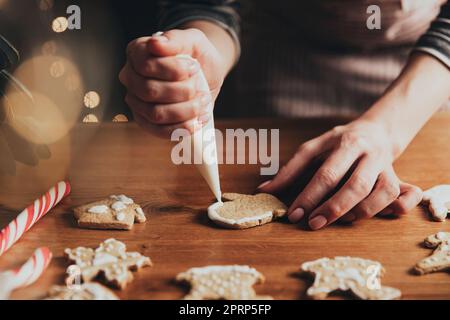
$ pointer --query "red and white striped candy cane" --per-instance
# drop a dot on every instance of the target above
(26, 274)
(28, 217)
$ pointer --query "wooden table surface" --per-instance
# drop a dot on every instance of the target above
(100, 160)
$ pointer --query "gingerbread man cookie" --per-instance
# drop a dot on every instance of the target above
(360, 276)
(438, 200)
(110, 262)
(86, 291)
(115, 212)
(440, 258)
(222, 282)
(245, 211)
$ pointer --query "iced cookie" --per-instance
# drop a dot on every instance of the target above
(222, 283)
(440, 258)
(86, 291)
(115, 212)
(240, 211)
(362, 277)
(438, 200)
(110, 263)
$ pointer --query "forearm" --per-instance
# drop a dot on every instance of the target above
(220, 38)
(421, 89)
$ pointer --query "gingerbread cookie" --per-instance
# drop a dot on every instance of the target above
(360, 276)
(222, 282)
(115, 212)
(109, 262)
(440, 258)
(245, 211)
(86, 291)
(438, 200)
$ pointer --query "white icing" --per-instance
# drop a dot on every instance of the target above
(98, 209)
(214, 215)
(438, 198)
(139, 211)
(123, 198)
(103, 258)
(351, 274)
(118, 206)
(120, 216)
(442, 235)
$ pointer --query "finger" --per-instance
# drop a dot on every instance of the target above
(174, 42)
(171, 113)
(358, 187)
(386, 190)
(304, 155)
(410, 197)
(156, 91)
(326, 179)
(176, 68)
(165, 132)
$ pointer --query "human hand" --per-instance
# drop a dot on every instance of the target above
(358, 161)
(163, 87)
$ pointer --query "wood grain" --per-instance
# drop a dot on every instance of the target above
(100, 160)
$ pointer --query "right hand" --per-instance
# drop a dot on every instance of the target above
(162, 88)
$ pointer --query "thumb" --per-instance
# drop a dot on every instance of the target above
(192, 42)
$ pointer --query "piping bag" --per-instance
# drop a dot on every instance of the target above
(204, 143)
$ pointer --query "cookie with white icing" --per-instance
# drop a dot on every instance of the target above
(439, 260)
(115, 212)
(241, 211)
(109, 263)
(438, 200)
(233, 282)
(86, 291)
(362, 277)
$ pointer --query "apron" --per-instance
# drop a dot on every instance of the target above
(318, 58)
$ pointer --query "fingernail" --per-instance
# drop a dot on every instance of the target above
(317, 222)
(204, 118)
(262, 185)
(159, 36)
(296, 215)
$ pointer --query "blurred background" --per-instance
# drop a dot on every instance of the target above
(320, 61)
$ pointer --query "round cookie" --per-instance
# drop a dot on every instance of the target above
(245, 211)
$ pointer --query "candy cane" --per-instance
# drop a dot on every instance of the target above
(28, 217)
(25, 275)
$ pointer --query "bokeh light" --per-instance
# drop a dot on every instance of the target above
(91, 100)
(120, 118)
(46, 5)
(57, 69)
(53, 110)
(90, 118)
(49, 48)
(60, 24)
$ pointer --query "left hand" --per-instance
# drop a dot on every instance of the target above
(359, 157)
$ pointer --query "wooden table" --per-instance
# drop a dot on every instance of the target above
(120, 158)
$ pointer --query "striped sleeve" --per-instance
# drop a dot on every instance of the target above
(173, 13)
(436, 41)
